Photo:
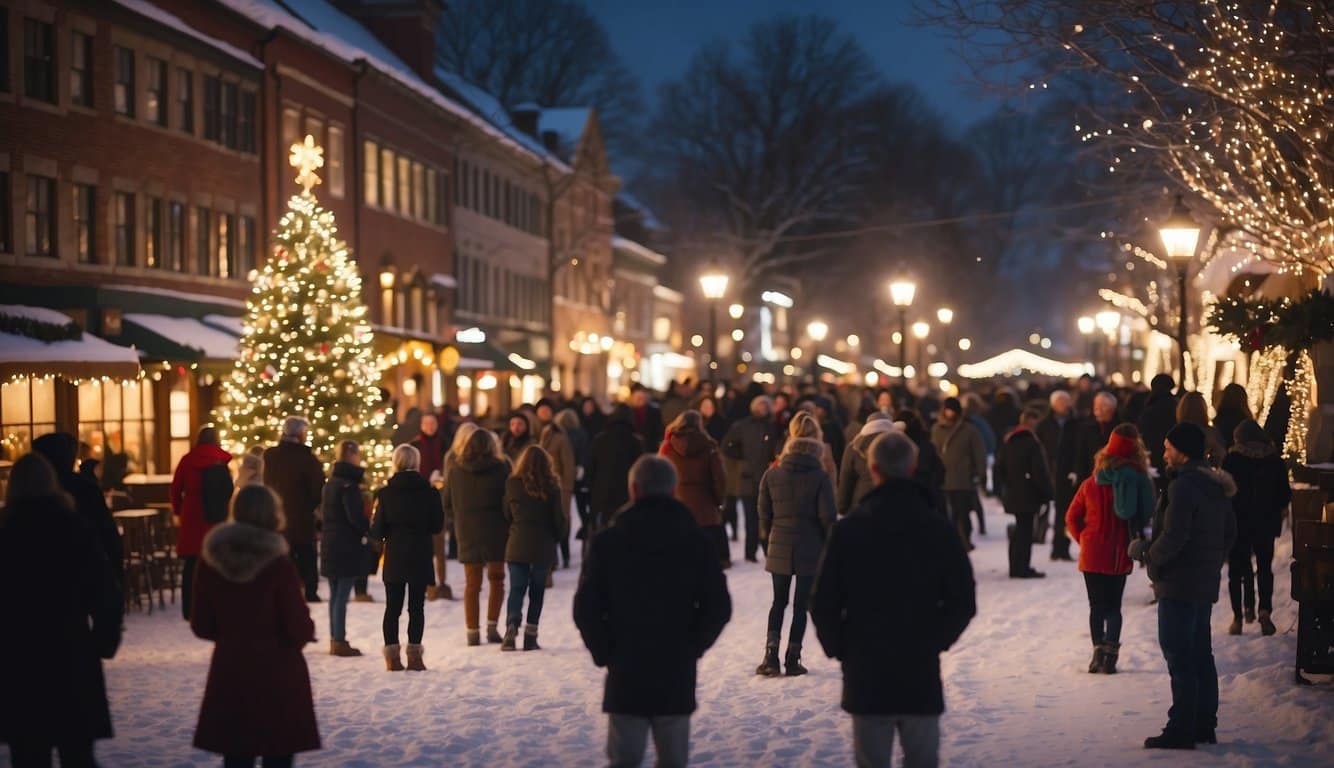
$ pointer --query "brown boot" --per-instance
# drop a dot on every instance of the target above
(415, 663)
(392, 661)
(431, 594)
(363, 597)
(444, 592)
(342, 648)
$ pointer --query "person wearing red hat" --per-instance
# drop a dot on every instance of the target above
(1111, 507)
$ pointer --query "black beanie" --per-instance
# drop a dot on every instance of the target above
(1187, 438)
(952, 404)
(1249, 432)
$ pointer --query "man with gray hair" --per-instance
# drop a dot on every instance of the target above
(651, 600)
(894, 591)
(293, 471)
(1056, 431)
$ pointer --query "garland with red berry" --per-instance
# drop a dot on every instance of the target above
(1260, 324)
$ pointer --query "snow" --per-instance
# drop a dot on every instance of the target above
(229, 323)
(444, 281)
(568, 123)
(40, 314)
(1017, 693)
(642, 251)
(166, 19)
(650, 220)
(495, 113)
(189, 332)
(15, 348)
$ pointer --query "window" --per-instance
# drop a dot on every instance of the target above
(404, 186)
(124, 81)
(39, 224)
(291, 126)
(85, 222)
(81, 69)
(185, 98)
(485, 207)
(226, 266)
(174, 240)
(27, 409)
(508, 195)
(333, 155)
(387, 188)
(245, 123)
(116, 418)
(155, 105)
(125, 229)
(153, 233)
(428, 197)
(212, 99)
(314, 127)
(39, 61)
(227, 113)
(203, 233)
(370, 156)
(418, 191)
(245, 246)
(178, 420)
(6, 235)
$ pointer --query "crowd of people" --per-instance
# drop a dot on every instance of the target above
(860, 501)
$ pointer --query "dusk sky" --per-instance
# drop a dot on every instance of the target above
(656, 40)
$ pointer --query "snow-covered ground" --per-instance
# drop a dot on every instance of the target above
(1017, 692)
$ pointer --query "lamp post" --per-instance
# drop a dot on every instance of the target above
(1108, 321)
(1086, 326)
(817, 330)
(945, 316)
(902, 292)
(713, 284)
(1180, 236)
(920, 330)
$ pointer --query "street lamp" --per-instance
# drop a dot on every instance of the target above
(735, 311)
(945, 315)
(1086, 326)
(713, 283)
(817, 330)
(920, 330)
(1108, 321)
(901, 292)
(1180, 236)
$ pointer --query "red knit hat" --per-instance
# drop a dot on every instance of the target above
(1121, 446)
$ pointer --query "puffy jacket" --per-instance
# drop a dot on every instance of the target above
(752, 441)
(1021, 470)
(854, 477)
(536, 524)
(701, 483)
(407, 515)
(964, 453)
(1103, 537)
(1194, 528)
(187, 501)
(344, 550)
(1262, 489)
(475, 502)
(796, 510)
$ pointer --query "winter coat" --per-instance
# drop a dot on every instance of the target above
(345, 550)
(407, 515)
(1263, 490)
(475, 502)
(716, 427)
(647, 423)
(854, 476)
(651, 600)
(187, 501)
(557, 445)
(1021, 466)
(90, 504)
(1090, 437)
(294, 473)
(1103, 537)
(62, 607)
(535, 525)
(1155, 421)
(614, 450)
(894, 590)
(513, 446)
(432, 449)
(930, 474)
(1058, 444)
(1194, 529)
(796, 510)
(963, 452)
(701, 483)
(248, 601)
(754, 442)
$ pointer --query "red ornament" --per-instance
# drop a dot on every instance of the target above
(324, 348)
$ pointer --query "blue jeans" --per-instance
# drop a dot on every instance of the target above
(340, 589)
(525, 578)
(1183, 634)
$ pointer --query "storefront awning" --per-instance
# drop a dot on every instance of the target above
(177, 338)
(484, 356)
(79, 356)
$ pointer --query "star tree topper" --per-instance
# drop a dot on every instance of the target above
(306, 157)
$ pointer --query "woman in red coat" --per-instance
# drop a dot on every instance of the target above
(187, 504)
(248, 600)
(701, 482)
(1111, 506)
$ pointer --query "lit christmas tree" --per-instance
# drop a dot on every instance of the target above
(305, 347)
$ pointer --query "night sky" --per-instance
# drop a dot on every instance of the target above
(657, 39)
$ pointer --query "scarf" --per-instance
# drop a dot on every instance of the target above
(1132, 494)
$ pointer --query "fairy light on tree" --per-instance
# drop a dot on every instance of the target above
(306, 343)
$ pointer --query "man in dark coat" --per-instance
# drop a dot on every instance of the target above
(651, 600)
(292, 470)
(894, 591)
(433, 443)
(1090, 435)
(61, 449)
(646, 419)
(1157, 418)
(1194, 528)
(1021, 465)
(1057, 433)
(752, 441)
(963, 451)
(613, 452)
(345, 551)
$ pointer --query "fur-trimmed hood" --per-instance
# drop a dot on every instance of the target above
(690, 442)
(802, 452)
(1208, 479)
(239, 552)
(1254, 450)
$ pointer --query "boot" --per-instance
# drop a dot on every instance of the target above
(1169, 740)
(492, 634)
(341, 648)
(432, 594)
(1110, 651)
(474, 637)
(530, 638)
(1267, 627)
(392, 661)
(511, 632)
(550, 581)
(1206, 737)
(769, 667)
(1235, 627)
(364, 597)
(793, 662)
(415, 663)
(1095, 663)
(444, 592)
(1250, 615)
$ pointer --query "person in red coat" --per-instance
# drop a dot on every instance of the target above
(1111, 506)
(257, 701)
(187, 505)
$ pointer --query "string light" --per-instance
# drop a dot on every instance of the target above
(1299, 390)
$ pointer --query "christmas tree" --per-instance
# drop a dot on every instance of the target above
(305, 347)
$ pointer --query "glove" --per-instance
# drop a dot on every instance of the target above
(1139, 550)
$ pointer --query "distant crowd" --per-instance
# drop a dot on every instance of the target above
(861, 503)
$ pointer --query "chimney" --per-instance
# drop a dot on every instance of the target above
(525, 117)
(406, 27)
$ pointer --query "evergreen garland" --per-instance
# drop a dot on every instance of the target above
(38, 329)
(1262, 324)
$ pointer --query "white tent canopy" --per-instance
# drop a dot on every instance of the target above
(1020, 360)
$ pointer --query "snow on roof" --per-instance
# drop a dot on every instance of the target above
(86, 349)
(650, 220)
(189, 332)
(642, 251)
(203, 298)
(166, 19)
(566, 122)
(490, 109)
(40, 314)
(444, 281)
(229, 323)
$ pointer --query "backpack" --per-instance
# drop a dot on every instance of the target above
(215, 490)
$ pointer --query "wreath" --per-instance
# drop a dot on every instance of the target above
(1261, 324)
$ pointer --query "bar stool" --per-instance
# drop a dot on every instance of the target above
(138, 536)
